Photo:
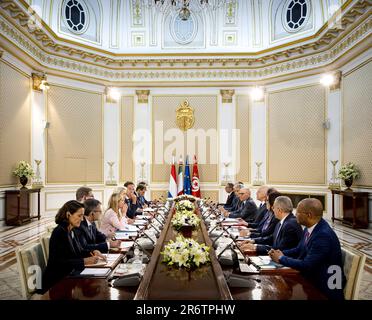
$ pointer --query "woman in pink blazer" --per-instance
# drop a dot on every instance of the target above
(115, 216)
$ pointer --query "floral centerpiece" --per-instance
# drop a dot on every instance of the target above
(182, 197)
(24, 171)
(348, 173)
(186, 253)
(185, 218)
(184, 206)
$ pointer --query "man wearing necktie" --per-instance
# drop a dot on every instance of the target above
(89, 236)
(247, 210)
(319, 251)
(287, 232)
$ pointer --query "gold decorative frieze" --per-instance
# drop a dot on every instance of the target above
(227, 95)
(321, 50)
(143, 96)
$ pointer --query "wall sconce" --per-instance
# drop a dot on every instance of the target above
(112, 95)
(39, 82)
(331, 80)
(257, 94)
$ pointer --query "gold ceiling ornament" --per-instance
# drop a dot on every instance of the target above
(39, 81)
(227, 95)
(336, 85)
(143, 96)
(185, 116)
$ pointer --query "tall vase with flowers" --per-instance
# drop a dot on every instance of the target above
(348, 173)
(24, 171)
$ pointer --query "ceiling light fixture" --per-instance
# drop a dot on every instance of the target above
(183, 6)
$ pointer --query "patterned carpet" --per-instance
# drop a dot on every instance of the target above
(11, 237)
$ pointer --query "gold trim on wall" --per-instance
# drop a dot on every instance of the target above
(188, 95)
(46, 193)
(249, 138)
(22, 73)
(121, 175)
(342, 117)
(46, 135)
(267, 138)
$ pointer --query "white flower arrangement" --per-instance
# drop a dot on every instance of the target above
(184, 205)
(182, 197)
(24, 169)
(185, 218)
(186, 253)
(348, 171)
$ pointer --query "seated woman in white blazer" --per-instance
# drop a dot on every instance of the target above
(115, 218)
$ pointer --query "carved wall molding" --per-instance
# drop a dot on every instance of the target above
(43, 48)
(143, 96)
(227, 95)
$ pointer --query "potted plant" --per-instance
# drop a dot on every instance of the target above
(23, 171)
(348, 173)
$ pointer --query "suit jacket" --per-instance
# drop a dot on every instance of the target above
(65, 255)
(266, 226)
(247, 211)
(229, 200)
(261, 213)
(94, 240)
(132, 208)
(141, 201)
(314, 257)
(235, 205)
(285, 236)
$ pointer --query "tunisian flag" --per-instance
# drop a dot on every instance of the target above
(195, 179)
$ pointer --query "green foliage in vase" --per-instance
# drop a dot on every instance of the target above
(24, 169)
(348, 171)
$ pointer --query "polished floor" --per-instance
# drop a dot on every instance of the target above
(11, 237)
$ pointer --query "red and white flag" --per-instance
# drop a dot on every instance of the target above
(195, 179)
(180, 177)
(172, 191)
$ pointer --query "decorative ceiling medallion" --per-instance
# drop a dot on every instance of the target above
(185, 116)
(183, 31)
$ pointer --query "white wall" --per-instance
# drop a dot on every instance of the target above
(53, 196)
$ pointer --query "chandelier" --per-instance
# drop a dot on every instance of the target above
(183, 6)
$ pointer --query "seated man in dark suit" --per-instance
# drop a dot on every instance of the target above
(140, 191)
(89, 236)
(235, 203)
(248, 208)
(261, 196)
(318, 255)
(287, 233)
(229, 188)
(131, 200)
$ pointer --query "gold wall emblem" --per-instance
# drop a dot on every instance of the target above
(185, 116)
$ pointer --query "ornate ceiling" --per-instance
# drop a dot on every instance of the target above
(117, 41)
(129, 26)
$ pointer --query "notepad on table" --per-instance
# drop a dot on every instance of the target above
(95, 272)
(112, 260)
(129, 228)
(265, 263)
(140, 222)
(126, 244)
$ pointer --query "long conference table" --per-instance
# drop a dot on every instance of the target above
(161, 282)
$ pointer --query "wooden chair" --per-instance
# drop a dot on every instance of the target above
(353, 262)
